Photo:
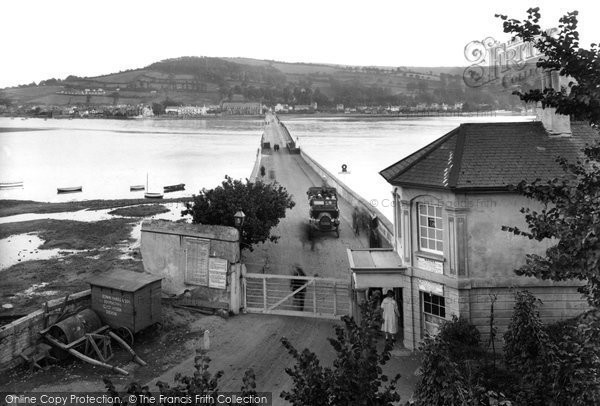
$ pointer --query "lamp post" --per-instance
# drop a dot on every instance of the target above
(238, 221)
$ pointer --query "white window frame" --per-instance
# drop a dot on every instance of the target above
(420, 226)
(430, 322)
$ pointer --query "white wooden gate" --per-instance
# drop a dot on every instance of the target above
(297, 295)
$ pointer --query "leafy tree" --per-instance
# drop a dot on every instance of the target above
(202, 383)
(264, 204)
(453, 369)
(553, 365)
(356, 377)
(526, 350)
(571, 204)
(562, 53)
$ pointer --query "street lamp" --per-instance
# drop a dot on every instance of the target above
(238, 219)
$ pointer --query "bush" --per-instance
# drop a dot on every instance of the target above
(356, 377)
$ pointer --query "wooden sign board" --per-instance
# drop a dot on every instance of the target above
(196, 261)
(217, 273)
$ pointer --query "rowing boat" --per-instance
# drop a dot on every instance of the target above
(72, 189)
(11, 185)
(174, 188)
(153, 195)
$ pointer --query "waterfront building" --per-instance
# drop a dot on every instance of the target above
(241, 108)
(451, 199)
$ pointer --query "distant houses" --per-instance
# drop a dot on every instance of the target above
(186, 111)
(242, 108)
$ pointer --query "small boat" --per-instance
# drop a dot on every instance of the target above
(153, 195)
(72, 189)
(11, 185)
(174, 188)
(136, 188)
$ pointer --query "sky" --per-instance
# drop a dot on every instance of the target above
(53, 39)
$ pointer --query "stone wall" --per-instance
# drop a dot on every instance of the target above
(163, 248)
(23, 333)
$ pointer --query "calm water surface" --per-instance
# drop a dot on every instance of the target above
(108, 156)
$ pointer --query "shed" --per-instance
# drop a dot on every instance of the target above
(128, 299)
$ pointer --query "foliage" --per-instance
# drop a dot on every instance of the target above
(571, 204)
(575, 372)
(452, 368)
(158, 109)
(562, 53)
(526, 350)
(554, 365)
(356, 377)
(202, 383)
(264, 204)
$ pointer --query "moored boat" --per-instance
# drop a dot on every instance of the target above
(11, 185)
(71, 189)
(135, 188)
(174, 188)
(153, 195)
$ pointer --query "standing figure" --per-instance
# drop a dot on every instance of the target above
(296, 284)
(390, 316)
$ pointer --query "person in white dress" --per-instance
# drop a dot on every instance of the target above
(390, 316)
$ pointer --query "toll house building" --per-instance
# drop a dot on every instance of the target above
(450, 255)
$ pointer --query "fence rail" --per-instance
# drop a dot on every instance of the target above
(297, 295)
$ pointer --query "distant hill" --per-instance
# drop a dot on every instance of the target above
(208, 80)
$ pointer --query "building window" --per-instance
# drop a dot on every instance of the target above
(434, 305)
(434, 313)
(430, 228)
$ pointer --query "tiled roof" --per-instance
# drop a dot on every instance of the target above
(489, 156)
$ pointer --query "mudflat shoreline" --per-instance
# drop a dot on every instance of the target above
(14, 207)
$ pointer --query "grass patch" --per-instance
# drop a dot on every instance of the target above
(140, 211)
(14, 207)
(68, 234)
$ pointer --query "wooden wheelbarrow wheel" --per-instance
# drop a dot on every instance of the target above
(125, 334)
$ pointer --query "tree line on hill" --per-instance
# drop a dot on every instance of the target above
(352, 88)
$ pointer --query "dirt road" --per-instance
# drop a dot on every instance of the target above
(253, 341)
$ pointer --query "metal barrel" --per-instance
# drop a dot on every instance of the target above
(75, 327)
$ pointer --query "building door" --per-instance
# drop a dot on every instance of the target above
(400, 302)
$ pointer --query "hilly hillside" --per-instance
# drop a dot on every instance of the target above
(207, 80)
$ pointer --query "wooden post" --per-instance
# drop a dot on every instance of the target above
(314, 296)
(265, 294)
(334, 299)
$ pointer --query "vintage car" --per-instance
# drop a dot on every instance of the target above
(324, 213)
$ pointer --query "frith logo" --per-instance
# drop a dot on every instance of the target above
(493, 61)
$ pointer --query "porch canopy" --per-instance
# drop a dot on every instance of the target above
(376, 267)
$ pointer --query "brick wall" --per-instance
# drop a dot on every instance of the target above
(558, 303)
(23, 333)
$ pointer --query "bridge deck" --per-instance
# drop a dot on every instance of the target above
(325, 255)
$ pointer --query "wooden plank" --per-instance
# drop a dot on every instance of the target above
(203, 303)
(291, 294)
(307, 278)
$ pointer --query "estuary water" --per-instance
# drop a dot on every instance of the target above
(106, 157)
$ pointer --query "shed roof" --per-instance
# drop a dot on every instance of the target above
(128, 281)
(490, 156)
